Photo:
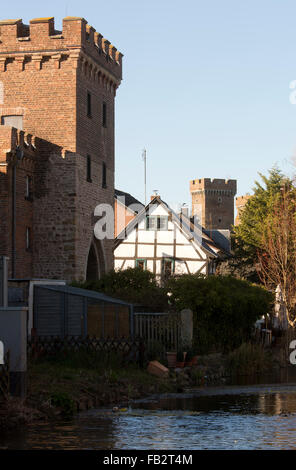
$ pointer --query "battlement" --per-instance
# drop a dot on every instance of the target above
(241, 201)
(40, 36)
(213, 184)
(13, 140)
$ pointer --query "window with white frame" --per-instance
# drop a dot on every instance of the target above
(157, 222)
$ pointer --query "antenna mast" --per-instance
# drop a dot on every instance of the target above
(144, 158)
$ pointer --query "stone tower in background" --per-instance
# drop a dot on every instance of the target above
(57, 91)
(213, 202)
(240, 203)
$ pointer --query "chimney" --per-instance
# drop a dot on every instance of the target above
(184, 211)
(3, 281)
(154, 195)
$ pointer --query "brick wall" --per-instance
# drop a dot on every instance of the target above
(45, 76)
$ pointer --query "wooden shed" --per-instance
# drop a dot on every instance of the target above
(70, 311)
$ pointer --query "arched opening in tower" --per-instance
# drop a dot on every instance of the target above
(95, 263)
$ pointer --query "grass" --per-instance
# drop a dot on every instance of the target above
(249, 359)
(64, 380)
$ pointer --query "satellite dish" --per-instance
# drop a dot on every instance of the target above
(19, 153)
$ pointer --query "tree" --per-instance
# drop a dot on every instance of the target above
(247, 236)
(277, 253)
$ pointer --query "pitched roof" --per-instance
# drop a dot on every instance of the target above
(193, 232)
(129, 199)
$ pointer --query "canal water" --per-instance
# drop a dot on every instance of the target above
(238, 417)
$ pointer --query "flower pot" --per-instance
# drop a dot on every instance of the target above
(180, 365)
(172, 359)
(188, 364)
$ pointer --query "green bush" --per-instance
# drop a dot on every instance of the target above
(132, 285)
(224, 309)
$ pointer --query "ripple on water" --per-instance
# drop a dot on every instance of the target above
(246, 421)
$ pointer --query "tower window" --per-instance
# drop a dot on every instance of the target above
(88, 104)
(104, 121)
(28, 194)
(28, 238)
(104, 176)
(88, 169)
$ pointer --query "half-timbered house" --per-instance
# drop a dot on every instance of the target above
(166, 243)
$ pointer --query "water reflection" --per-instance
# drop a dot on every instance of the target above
(256, 419)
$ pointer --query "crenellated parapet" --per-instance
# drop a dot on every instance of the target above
(17, 146)
(40, 42)
(213, 186)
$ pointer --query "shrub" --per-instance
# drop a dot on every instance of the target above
(224, 309)
(132, 285)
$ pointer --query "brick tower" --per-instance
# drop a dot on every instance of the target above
(213, 202)
(240, 203)
(57, 91)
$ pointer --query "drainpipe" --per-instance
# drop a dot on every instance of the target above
(3, 281)
(13, 221)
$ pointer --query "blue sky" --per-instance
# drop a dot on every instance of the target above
(205, 87)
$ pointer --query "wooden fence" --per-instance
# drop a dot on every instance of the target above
(161, 332)
(131, 350)
(4, 378)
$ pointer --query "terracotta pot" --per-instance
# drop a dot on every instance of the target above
(172, 359)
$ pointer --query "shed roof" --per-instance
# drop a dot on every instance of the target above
(83, 293)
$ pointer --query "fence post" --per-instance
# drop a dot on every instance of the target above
(3, 281)
(141, 353)
(186, 327)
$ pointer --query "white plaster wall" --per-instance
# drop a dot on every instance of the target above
(165, 236)
(164, 251)
(146, 236)
(124, 250)
(180, 267)
(131, 236)
(150, 265)
(145, 251)
(186, 252)
(180, 238)
(194, 266)
(157, 210)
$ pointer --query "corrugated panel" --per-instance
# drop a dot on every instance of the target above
(74, 318)
(48, 312)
